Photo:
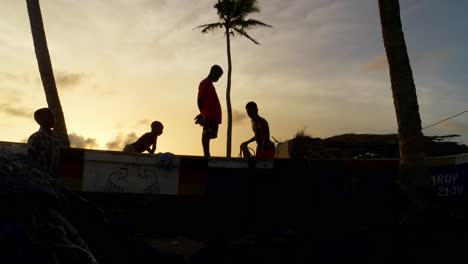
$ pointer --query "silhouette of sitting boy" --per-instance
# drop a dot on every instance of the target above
(147, 142)
(265, 148)
(44, 146)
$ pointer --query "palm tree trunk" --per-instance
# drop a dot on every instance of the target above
(413, 173)
(45, 68)
(228, 96)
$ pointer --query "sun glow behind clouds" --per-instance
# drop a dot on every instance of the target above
(321, 67)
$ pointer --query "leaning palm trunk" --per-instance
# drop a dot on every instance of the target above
(45, 68)
(228, 95)
(413, 175)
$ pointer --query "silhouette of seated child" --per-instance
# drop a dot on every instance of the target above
(147, 142)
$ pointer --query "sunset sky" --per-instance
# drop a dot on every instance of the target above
(321, 68)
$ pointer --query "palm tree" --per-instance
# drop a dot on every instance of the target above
(45, 68)
(413, 175)
(232, 18)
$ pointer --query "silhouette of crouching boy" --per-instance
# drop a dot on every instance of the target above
(147, 142)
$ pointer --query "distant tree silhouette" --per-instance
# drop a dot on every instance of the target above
(233, 19)
(45, 68)
(413, 174)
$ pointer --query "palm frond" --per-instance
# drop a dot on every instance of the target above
(243, 33)
(209, 27)
(248, 24)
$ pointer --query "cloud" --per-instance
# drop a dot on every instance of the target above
(144, 122)
(8, 76)
(411, 6)
(456, 126)
(20, 77)
(15, 111)
(298, 9)
(68, 80)
(120, 141)
(238, 116)
(180, 22)
(380, 63)
(377, 64)
(78, 141)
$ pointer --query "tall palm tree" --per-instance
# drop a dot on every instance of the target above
(45, 68)
(233, 19)
(413, 175)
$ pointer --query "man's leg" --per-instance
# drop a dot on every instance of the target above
(206, 145)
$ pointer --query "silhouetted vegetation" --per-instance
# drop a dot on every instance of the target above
(352, 146)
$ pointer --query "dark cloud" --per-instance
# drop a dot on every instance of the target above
(68, 80)
(120, 141)
(78, 141)
(238, 116)
(16, 111)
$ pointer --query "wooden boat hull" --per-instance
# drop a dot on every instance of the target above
(200, 195)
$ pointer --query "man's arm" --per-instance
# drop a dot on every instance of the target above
(200, 103)
(199, 118)
(150, 150)
(153, 147)
(201, 95)
(249, 141)
(34, 146)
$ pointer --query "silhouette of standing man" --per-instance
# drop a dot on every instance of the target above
(210, 108)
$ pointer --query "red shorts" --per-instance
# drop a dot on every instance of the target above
(210, 128)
